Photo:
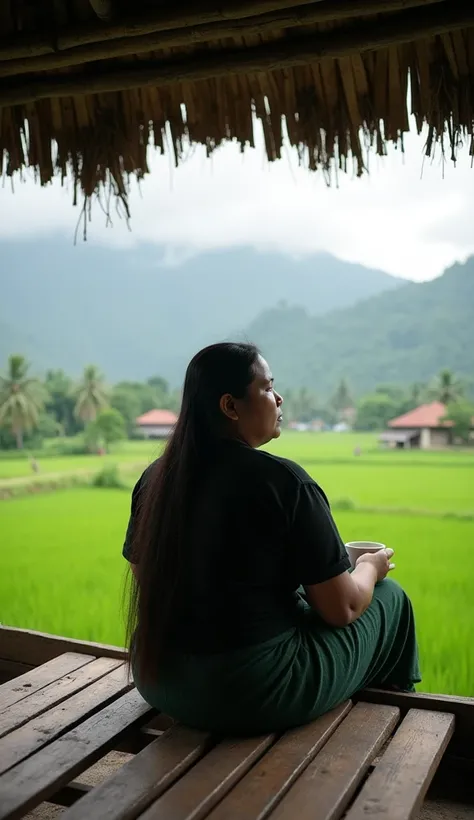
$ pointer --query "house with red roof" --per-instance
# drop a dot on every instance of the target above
(423, 427)
(156, 423)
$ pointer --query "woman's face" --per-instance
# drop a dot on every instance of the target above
(257, 417)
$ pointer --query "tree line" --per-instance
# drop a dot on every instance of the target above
(32, 409)
(373, 411)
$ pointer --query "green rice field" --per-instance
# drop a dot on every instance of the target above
(61, 569)
(127, 452)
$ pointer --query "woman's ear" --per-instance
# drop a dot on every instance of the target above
(227, 406)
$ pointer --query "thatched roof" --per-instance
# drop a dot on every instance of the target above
(97, 81)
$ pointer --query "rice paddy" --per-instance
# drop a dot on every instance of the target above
(61, 569)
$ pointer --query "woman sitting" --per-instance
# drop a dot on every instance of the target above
(221, 537)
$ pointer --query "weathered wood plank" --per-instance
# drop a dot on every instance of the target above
(195, 794)
(398, 784)
(33, 780)
(257, 794)
(132, 788)
(461, 707)
(52, 694)
(36, 648)
(29, 738)
(330, 781)
(25, 685)
(420, 700)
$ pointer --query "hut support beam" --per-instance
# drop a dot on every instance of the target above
(196, 20)
(199, 34)
(369, 36)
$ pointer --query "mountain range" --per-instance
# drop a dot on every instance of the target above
(134, 315)
(405, 335)
(316, 318)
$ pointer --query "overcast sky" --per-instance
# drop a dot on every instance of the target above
(409, 216)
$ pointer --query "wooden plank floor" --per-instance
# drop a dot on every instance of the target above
(60, 718)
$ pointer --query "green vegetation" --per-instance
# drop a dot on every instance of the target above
(107, 428)
(101, 416)
(433, 560)
(461, 415)
(356, 324)
(392, 347)
(403, 336)
(365, 348)
(61, 567)
(342, 399)
(91, 396)
(33, 412)
(410, 488)
(49, 462)
(62, 572)
(411, 482)
(447, 389)
(330, 448)
(109, 478)
(140, 315)
(21, 399)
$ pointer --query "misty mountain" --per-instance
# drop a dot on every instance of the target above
(134, 315)
(401, 336)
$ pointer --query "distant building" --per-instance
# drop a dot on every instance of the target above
(157, 423)
(422, 428)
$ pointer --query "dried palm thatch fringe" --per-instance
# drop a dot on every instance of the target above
(333, 85)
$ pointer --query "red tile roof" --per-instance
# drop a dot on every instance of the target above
(428, 415)
(157, 417)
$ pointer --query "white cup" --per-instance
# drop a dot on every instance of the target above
(358, 548)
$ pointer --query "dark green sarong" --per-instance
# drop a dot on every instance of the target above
(294, 677)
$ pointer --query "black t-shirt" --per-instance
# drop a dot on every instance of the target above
(259, 528)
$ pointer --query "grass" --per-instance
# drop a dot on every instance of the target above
(339, 447)
(61, 565)
(129, 451)
(433, 559)
(435, 488)
(61, 569)
(441, 482)
(307, 448)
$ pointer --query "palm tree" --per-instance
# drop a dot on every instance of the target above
(447, 387)
(21, 399)
(91, 396)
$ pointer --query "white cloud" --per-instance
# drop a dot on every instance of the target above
(406, 222)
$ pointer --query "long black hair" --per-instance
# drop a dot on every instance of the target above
(160, 520)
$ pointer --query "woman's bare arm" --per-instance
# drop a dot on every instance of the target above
(343, 599)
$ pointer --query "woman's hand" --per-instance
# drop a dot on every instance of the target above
(380, 561)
